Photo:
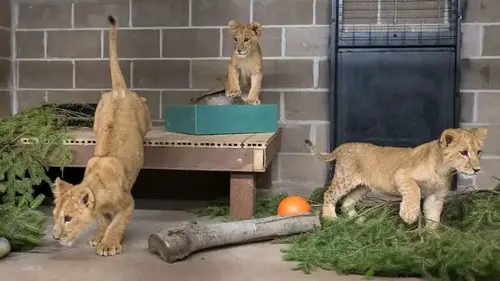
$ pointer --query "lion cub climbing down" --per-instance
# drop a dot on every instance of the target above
(121, 122)
(411, 173)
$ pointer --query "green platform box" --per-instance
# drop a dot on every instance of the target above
(221, 119)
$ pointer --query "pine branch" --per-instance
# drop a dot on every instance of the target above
(23, 166)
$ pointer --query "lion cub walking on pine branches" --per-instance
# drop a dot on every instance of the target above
(410, 173)
(121, 122)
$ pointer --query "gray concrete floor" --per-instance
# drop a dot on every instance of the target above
(51, 262)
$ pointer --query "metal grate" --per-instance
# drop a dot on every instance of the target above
(381, 23)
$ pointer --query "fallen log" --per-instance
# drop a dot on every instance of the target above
(177, 243)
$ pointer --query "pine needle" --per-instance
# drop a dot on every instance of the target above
(465, 247)
(23, 167)
(263, 208)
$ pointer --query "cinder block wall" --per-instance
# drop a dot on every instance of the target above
(5, 58)
(481, 81)
(171, 50)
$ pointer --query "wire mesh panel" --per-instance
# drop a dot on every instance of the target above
(381, 23)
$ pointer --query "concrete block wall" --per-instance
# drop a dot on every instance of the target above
(5, 58)
(480, 87)
(171, 50)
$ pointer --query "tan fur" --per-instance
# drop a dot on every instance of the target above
(411, 173)
(245, 69)
(121, 122)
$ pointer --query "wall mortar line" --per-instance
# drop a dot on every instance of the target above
(282, 106)
(45, 35)
(315, 2)
(14, 66)
(475, 107)
(190, 13)
(72, 14)
(251, 10)
(166, 27)
(221, 42)
(130, 8)
(481, 38)
(102, 44)
(312, 133)
(131, 74)
(190, 74)
(315, 73)
(283, 41)
(161, 43)
(74, 74)
(214, 58)
(160, 112)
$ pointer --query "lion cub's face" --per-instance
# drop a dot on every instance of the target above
(245, 37)
(462, 149)
(72, 211)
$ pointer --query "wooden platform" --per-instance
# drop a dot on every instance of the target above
(245, 156)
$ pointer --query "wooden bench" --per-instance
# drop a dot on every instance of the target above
(245, 156)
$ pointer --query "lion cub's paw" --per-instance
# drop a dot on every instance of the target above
(95, 239)
(233, 93)
(328, 217)
(409, 212)
(109, 249)
(328, 212)
(254, 102)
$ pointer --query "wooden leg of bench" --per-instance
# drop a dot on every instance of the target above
(242, 196)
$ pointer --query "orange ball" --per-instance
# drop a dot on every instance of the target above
(293, 205)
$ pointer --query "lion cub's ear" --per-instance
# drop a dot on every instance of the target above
(480, 133)
(256, 27)
(87, 198)
(60, 187)
(449, 137)
(232, 26)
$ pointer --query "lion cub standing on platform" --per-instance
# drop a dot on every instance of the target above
(411, 173)
(121, 122)
(244, 73)
(245, 68)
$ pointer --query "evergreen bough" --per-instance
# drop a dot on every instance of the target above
(23, 166)
(465, 247)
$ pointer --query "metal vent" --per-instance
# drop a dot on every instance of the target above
(382, 23)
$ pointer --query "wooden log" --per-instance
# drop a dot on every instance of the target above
(177, 243)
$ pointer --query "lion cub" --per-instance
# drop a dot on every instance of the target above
(244, 71)
(245, 68)
(411, 173)
(122, 120)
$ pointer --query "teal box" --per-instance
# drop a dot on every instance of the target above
(221, 119)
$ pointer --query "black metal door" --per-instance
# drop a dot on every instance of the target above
(394, 69)
(396, 97)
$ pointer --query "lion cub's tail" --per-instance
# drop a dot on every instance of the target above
(116, 75)
(327, 157)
